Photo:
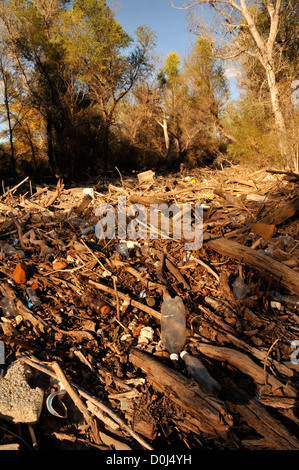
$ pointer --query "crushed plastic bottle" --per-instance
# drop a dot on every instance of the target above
(32, 299)
(87, 230)
(10, 251)
(284, 299)
(173, 325)
(8, 307)
(200, 373)
(240, 288)
(123, 249)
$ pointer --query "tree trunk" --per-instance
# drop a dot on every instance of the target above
(278, 116)
(8, 116)
(50, 152)
(106, 135)
(164, 126)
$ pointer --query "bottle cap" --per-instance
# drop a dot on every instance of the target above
(174, 357)
(183, 353)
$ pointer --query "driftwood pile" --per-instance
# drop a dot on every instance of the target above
(110, 380)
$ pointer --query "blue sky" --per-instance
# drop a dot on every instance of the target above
(168, 23)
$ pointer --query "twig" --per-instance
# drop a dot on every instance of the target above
(117, 298)
(77, 401)
(17, 224)
(12, 190)
(208, 268)
(266, 358)
(37, 364)
(127, 298)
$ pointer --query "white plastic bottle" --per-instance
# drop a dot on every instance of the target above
(199, 372)
(173, 325)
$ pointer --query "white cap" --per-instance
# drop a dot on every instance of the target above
(183, 353)
(174, 357)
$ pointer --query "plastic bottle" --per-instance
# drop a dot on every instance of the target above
(96, 304)
(123, 249)
(240, 289)
(173, 325)
(48, 254)
(8, 307)
(32, 299)
(284, 299)
(199, 372)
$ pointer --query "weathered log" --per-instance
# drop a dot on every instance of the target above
(281, 214)
(261, 378)
(208, 412)
(276, 436)
(271, 268)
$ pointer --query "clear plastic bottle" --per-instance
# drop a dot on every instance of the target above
(8, 307)
(200, 373)
(32, 299)
(173, 325)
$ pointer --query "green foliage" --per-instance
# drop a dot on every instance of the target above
(254, 132)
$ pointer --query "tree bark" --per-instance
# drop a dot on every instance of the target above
(8, 116)
(50, 152)
(271, 268)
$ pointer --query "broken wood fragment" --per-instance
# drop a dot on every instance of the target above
(269, 267)
(209, 413)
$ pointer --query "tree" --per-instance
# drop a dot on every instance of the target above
(170, 80)
(95, 44)
(29, 32)
(207, 83)
(8, 95)
(240, 17)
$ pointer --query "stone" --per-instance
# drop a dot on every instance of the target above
(18, 401)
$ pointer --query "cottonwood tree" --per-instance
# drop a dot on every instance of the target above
(195, 92)
(168, 118)
(7, 92)
(240, 20)
(96, 45)
(29, 32)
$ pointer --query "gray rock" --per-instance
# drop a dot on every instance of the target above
(18, 401)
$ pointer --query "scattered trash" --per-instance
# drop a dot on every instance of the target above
(95, 304)
(32, 299)
(122, 248)
(20, 273)
(146, 335)
(54, 402)
(240, 288)
(8, 307)
(173, 325)
(200, 373)
(146, 176)
(96, 315)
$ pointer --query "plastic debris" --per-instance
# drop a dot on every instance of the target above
(96, 304)
(20, 273)
(8, 307)
(240, 288)
(32, 299)
(200, 373)
(173, 325)
(54, 402)
(122, 248)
